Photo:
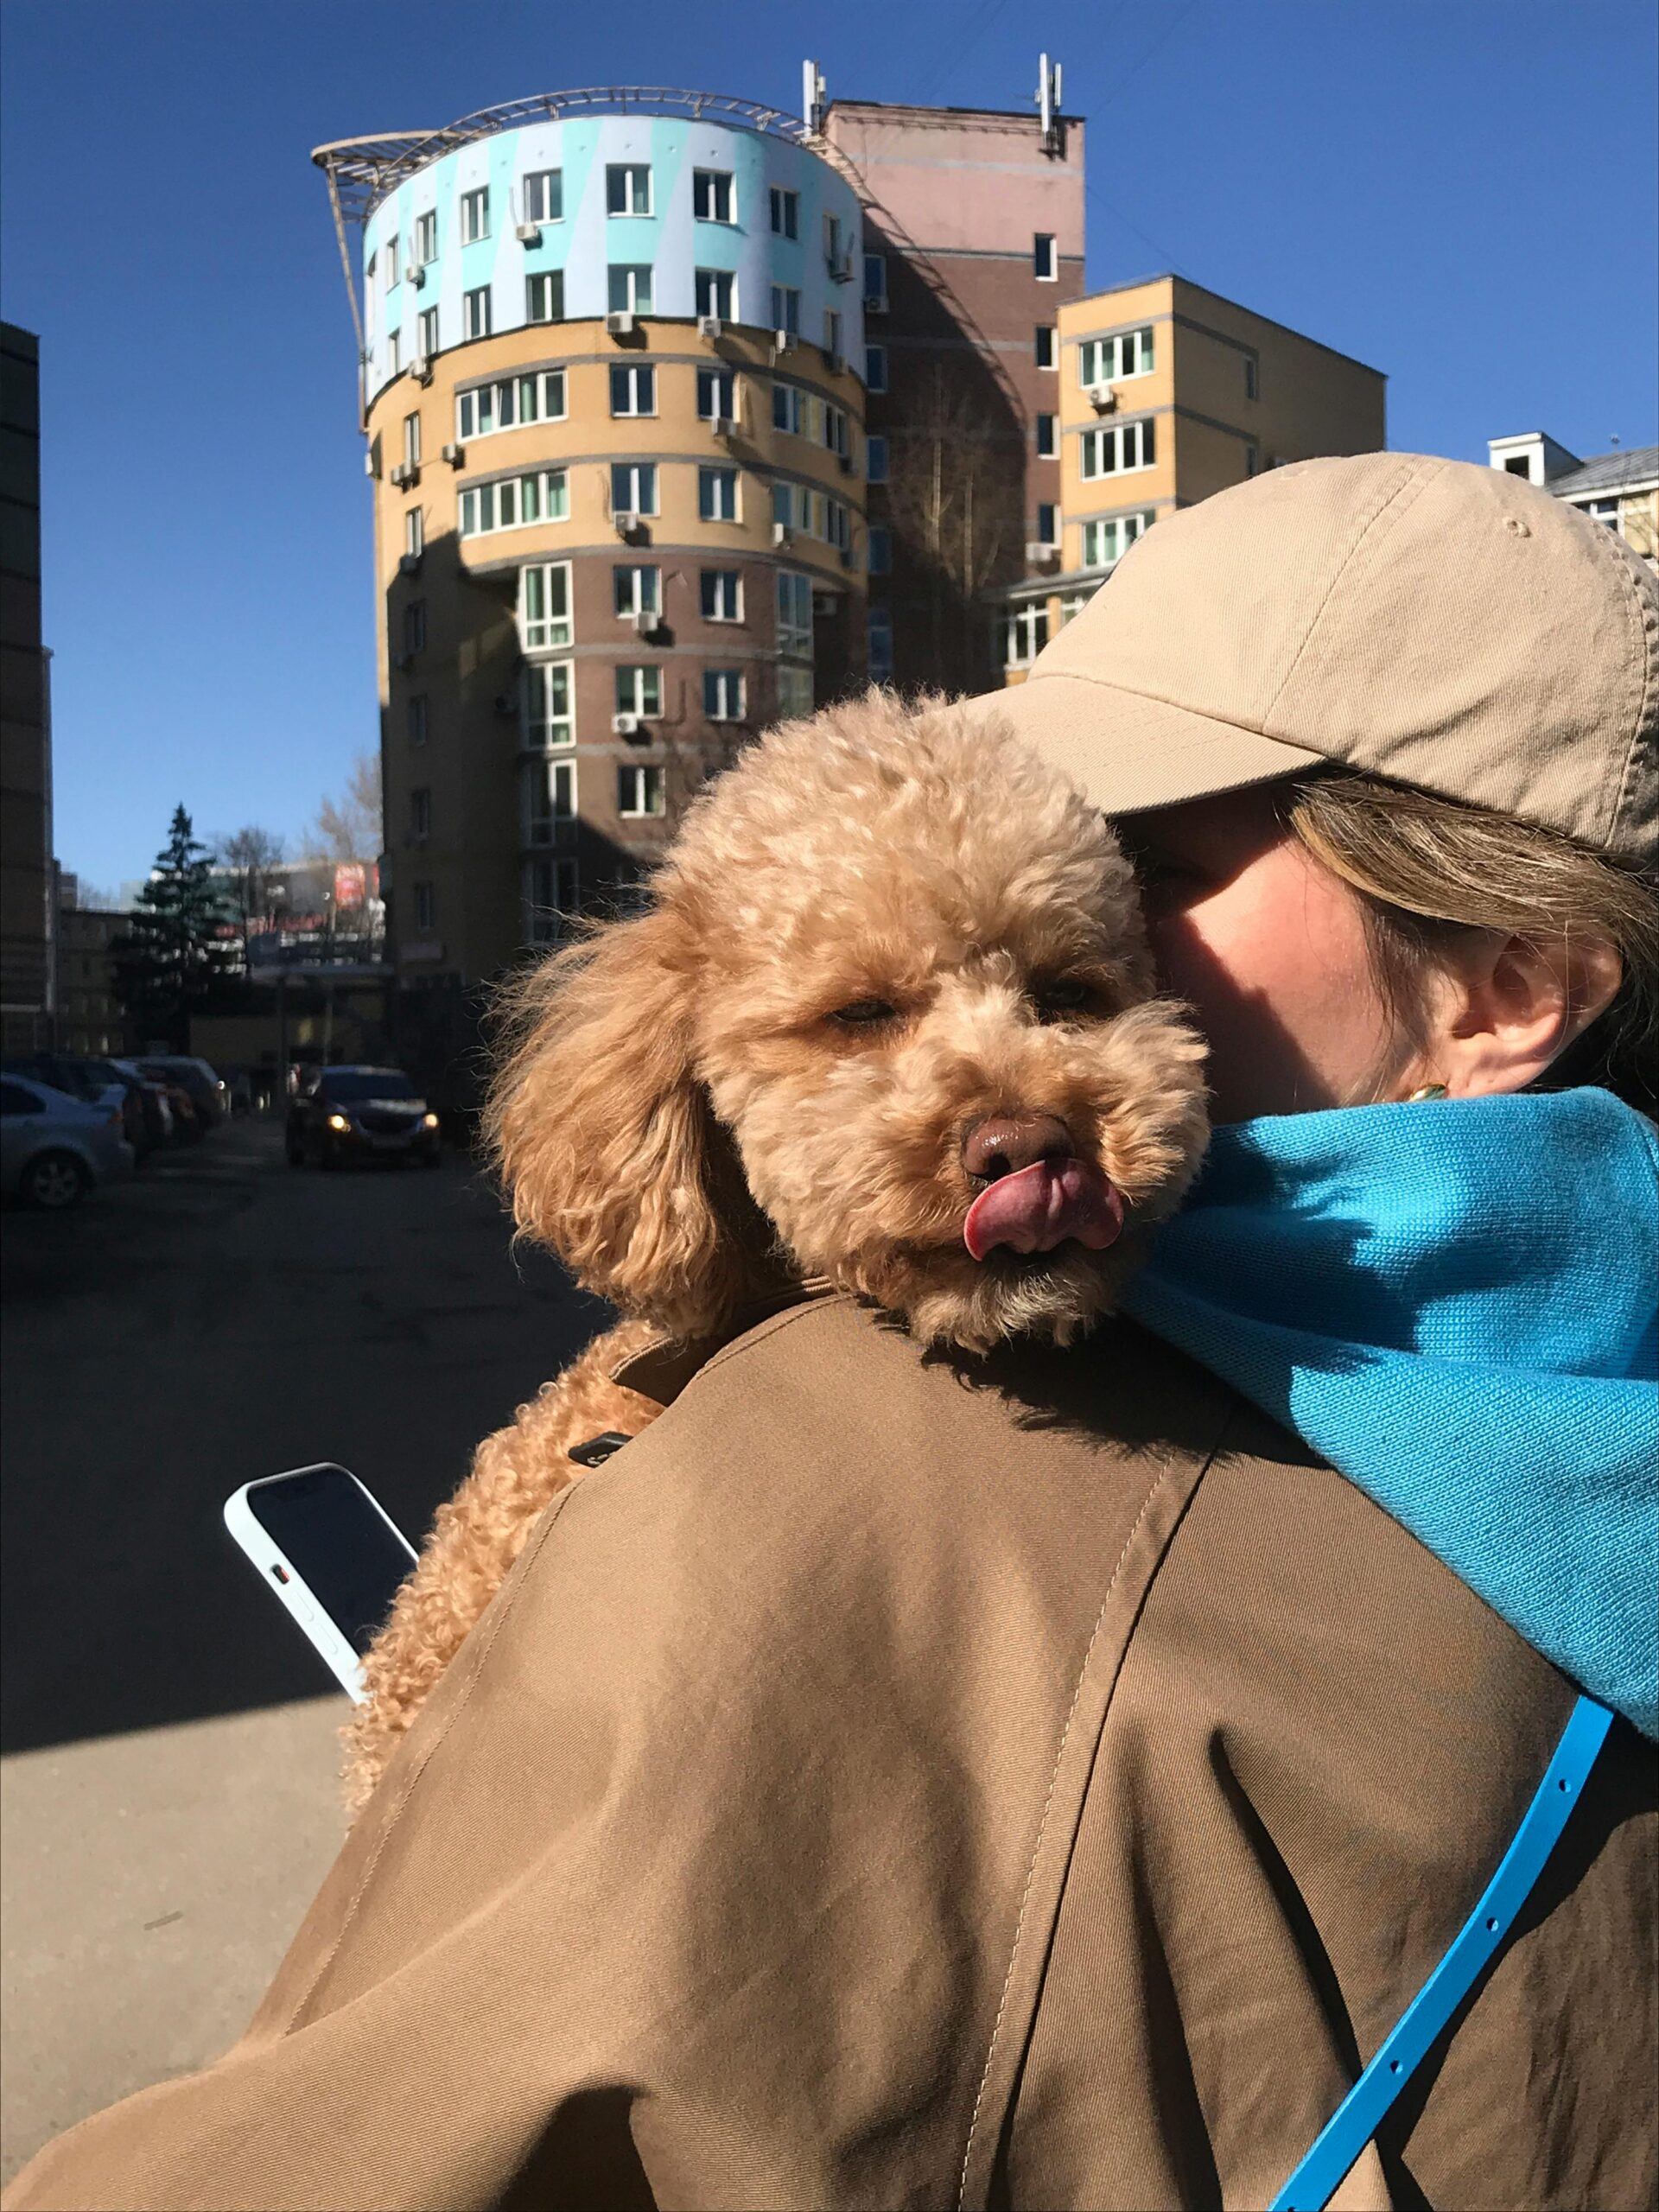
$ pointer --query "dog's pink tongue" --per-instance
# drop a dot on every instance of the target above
(1044, 1205)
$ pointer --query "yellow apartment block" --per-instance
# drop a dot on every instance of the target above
(1167, 393)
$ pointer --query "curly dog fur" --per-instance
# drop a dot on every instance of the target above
(701, 1106)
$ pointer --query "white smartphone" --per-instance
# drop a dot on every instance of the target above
(335, 1559)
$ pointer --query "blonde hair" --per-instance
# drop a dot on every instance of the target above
(1429, 871)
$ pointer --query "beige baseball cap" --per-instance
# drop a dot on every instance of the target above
(1424, 620)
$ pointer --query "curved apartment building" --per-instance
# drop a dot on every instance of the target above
(611, 349)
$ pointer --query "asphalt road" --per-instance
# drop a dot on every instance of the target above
(169, 1787)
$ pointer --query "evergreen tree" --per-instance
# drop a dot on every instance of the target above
(172, 960)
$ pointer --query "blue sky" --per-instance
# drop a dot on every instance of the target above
(1459, 192)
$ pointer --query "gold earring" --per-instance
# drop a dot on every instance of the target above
(1426, 1090)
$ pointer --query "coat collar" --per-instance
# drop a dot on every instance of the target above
(662, 1369)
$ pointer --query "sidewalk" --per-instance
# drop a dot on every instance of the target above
(164, 1870)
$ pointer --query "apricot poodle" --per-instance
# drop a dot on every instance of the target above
(888, 1020)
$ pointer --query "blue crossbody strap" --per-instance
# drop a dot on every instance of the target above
(1361, 2112)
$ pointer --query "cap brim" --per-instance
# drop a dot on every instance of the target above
(1129, 754)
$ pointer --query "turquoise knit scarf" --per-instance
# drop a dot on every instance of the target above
(1457, 1304)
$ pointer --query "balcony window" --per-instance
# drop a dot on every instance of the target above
(545, 606)
(1111, 452)
(539, 397)
(551, 889)
(1109, 360)
(794, 692)
(548, 719)
(1025, 632)
(1107, 541)
(794, 612)
(549, 789)
(543, 495)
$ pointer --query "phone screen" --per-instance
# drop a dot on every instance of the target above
(351, 1562)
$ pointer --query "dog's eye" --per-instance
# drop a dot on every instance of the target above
(1063, 995)
(863, 1012)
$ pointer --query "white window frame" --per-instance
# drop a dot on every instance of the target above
(1101, 451)
(545, 915)
(1045, 256)
(875, 369)
(715, 291)
(547, 706)
(394, 353)
(794, 613)
(1107, 538)
(711, 188)
(1105, 360)
(428, 327)
(642, 475)
(721, 479)
(509, 402)
(547, 785)
(716, 395)
(790, 409)
(1046, 431)
(635, 291)
(540, 629)
(476, 215)
(1024, 633)
(832, 329)
(633, 379)
(720, 595)
(629, 172)
(785, 212)
(414, 532)
(482, 505)
(786, 308)
(632, 697)
(412, 440)
(423, 238)
(475, 316)
(643, 594)
(638, 784)
(728, 690)
(392, 255)
(544, 295)
(1045, 345)
(541, 187)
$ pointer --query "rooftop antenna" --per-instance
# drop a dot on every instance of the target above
(1048, 104)
(812, 90)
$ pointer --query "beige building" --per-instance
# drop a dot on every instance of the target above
(1166, 393)
(1619, 489)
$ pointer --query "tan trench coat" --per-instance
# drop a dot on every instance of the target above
(883, 1787)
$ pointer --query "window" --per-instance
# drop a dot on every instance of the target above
(476, 215)
(1048, 532)
(1105, 453)
(418, 723)
(878, 641)
(549, 721)
(637, 590)
(717, 396)
(629, 291)
(832, 332)
(785, 213)
(723, 695)
(838, 429)
(428, 331)
(711, 197)
(536, 397)
(1109, 360)
(787, 309)
(876, 460)
(394, 262)
(875, 284)
(717, 494)
(1518, 465)
(1072, 605)
(370, 267)
(475, 313)
(832, 243)
(783, 506)
(420, 814)
(545, 606)
(794, 612)
(794, 691)
(1252, 390)
(716, 293)
(394, 353)
(1044, 348)
(426, 907)
(1106, 542)
(639, 790)
(837, 527)
(544, 297)
(720, 595)
(1025, 632)
(1599, 511)
(551, 890)
(633, 487)
(789, 408)
(1249, 461)
(415, 626)
(627, 189)
(544, 196)
(633, 387)
(875, 368)
(880, 551)
(639, 691)
(424, 244)
(1047, 443)
(550, 799)
(1046, 263)
(512, 501)
(412, 440)
(414, 533)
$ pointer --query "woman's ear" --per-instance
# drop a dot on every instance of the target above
(1511, 1006)
(604, 1137)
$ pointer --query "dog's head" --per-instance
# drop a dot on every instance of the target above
(888, 1020)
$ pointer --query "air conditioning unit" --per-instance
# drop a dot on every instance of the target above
(724, 427)
(709, 325)
(619, 324)
(1040, 554)
(783, 341)
(409, 564)
(625, 524)
(625, 725)
(823, 602)
(453, 454)
(875, 304)
(417, 272)
(421, 368)
(645, 619)
(529, 234)
(405, 472)
(838, 364)
(1101, 398)
(506, 704)
(369, 468)
(844, 463)
(782, 534)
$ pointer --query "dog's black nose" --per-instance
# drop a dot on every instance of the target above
(1004, 1143)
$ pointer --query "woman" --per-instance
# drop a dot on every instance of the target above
(883, 1789)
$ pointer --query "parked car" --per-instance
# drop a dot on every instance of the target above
(360, 1113)
(54, 1148)
(153, 1101)
(207, 1095)
(78, 1076)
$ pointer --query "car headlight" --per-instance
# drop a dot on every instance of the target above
(428, 1120)
(338, 1122)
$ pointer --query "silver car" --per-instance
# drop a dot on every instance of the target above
(54, 1148)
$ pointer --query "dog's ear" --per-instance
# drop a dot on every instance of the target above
(605, 1138)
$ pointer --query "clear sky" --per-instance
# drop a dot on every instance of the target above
(1458, 192)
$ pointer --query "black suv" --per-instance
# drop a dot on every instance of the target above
(360, 1113)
